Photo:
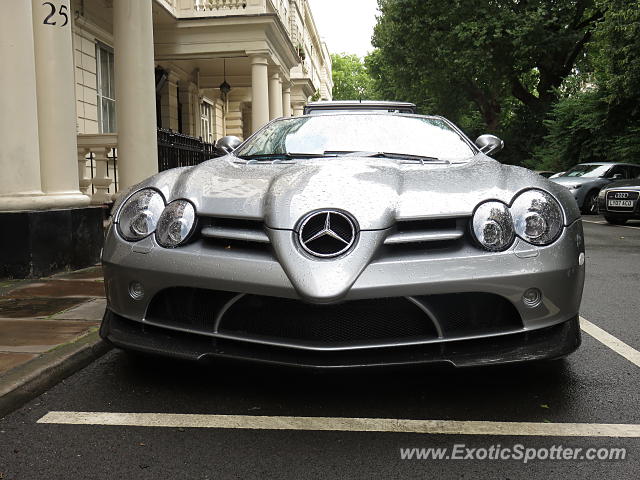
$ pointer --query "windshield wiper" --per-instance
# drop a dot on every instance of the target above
(281, 156)
(393, 155)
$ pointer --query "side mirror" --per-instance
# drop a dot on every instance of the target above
(489, 144)
(617, 176)
(227, 144)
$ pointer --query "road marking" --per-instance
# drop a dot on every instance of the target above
(610, 341)
(446, 427)
(606, 223)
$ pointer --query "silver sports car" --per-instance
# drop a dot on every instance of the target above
(347, 240)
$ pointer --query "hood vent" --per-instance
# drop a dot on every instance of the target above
(234, 230)
(430, 230)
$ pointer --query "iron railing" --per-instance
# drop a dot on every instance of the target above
(180, 150)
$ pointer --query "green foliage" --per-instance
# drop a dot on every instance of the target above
(494, 65)
(351, 80)
(601, 123)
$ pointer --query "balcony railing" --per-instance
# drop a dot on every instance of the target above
(205, 5)
(98, 160)
(98, 166)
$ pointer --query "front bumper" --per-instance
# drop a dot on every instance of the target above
(543, 344)
(555, 270)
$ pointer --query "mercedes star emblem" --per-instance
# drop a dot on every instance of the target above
(327, 233)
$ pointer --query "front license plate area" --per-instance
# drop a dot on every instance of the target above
(620, 203)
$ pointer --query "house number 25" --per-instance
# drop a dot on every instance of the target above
(62, 12)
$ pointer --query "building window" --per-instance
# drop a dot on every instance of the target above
(206, 122)
(106, 89)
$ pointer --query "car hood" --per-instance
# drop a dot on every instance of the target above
(569, 181)
(631, 184)
(376, 192)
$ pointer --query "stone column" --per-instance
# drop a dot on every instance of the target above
(169, 102)
(55, 87)
(275, 96)
(135, 91)
(186, 97)
(20, 186)
(298, 109)
(259, 91)
(286, 100)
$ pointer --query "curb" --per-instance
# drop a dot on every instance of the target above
(33, 378)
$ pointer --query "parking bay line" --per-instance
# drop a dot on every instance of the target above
(610, 341)
(605, 223)
(390, 425)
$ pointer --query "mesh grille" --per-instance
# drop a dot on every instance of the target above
(462, 314)
(192, 308)
(360, 320)
(352, 322)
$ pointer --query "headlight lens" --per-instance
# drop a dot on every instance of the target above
(176, 224)
(139, 215)
(493, 226)
(537, 217)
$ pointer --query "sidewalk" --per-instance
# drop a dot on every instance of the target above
(48, 330)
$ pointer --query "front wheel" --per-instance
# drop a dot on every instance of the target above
(590, 205)
(615, 220)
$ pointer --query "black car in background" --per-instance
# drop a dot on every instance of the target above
(619, 201)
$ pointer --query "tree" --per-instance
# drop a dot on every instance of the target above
(495, 61)
(351, 80)
(601, 120)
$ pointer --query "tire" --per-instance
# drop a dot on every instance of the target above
(615, 220)
(590, 204)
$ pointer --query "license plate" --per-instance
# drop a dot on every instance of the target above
(620, 203)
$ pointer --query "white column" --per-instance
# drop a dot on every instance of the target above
(298, 109)
(169, 102)
(286, 101)
(135, 91)
(259, 92)
(19, 153)
(275, 96)
(55, 85)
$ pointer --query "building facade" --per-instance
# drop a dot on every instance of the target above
(91, 80)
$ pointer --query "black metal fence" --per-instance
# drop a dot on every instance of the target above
(179, 150)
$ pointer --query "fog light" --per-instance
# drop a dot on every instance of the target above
(136, 291)
(532, 297)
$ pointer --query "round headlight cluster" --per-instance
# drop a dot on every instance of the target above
(176, 224)
(145, 213)
(493, 226)
(140, 214)
(538, 217)
(535, 216)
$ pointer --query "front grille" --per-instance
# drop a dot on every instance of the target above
(190, 308)
(622, 195)
(350, 323)
(465, 314)
(234, 233)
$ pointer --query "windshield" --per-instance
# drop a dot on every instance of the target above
(589, 171)
(323, 134)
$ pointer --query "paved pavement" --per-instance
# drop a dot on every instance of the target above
(574, 401)
(39, 315)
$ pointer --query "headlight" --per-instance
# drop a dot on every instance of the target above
(537, 217)
(176, 224)
(139, 215)
(493, 227)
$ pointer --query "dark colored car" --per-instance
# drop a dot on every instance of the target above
(619, 201)
(585, 180)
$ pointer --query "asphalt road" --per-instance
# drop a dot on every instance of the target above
(594, 385)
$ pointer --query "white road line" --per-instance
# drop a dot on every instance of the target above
(610, 341)
(446, 427)
(605, 223)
